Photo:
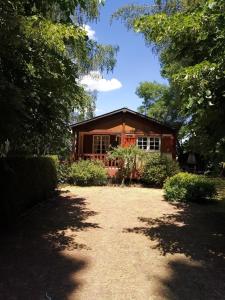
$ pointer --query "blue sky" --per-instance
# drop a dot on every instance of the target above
(135, 61)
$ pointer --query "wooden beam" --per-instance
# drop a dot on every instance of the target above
(81, 143)
(123, 130)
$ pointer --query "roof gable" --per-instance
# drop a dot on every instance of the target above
(123, 111)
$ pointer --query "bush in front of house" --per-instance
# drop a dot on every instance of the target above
(88, 172)
(63, 169)
(157, 169)
(25, 181)
(190, 188)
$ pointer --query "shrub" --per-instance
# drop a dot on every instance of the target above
(63, 169)
(54, 158)
(63, 172)
(87, 172)
(25, 181)
(189, 187)
(157, 169)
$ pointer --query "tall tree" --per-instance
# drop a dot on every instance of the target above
(160, 102)
(150, 92)
(189, 37)
(43, 52)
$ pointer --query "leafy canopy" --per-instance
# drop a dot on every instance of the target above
(189, 37)
(44, 50)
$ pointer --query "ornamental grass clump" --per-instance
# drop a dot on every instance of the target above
(87, 172)
(130, 161)
(190, 188)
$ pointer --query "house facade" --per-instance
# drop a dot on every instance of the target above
(122, 127)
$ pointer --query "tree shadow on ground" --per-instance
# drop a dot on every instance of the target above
(197, 232)
(37, 259)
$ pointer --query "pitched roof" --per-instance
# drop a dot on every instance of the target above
(121, 110)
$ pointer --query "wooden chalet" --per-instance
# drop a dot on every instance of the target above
(124, 127)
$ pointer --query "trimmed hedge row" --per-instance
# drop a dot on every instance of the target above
(190, 188)
(25, 181)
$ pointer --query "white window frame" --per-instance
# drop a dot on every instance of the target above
(101, 137)
(148, 143)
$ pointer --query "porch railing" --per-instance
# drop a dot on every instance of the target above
(103, 157)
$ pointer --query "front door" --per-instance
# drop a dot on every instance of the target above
(101, 144)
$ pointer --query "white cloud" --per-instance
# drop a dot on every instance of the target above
(95, 82)
(90, 32)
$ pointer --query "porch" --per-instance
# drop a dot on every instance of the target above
(95, 146)
(109, 163)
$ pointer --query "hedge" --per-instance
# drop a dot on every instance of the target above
(25, 181)
(190, 188)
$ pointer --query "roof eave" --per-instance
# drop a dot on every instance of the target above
(122, 110)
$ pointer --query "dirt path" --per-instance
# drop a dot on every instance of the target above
(119, 261)
(103, 243)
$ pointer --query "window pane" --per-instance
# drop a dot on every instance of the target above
(101, 143)
(142, 142)
(154, 144)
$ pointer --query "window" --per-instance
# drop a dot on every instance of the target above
(142, 143)
(149, 143)
(154, 144)
(101, 143)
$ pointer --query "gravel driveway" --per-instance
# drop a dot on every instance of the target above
(111, 243)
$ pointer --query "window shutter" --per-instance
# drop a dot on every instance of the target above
(129, 140)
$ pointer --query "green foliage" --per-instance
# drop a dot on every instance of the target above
(157, 169)
(43, 53)
(54, 158)
(190, 46)
(25, 181)
(130, 159)
(87, 172)
(63, 172)
(63, 169)
(189, 37)
(220, 187)
(160, 102)
(190, 187)
(150, 92)
(130, 12)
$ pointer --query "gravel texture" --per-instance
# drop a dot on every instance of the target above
(112, 243)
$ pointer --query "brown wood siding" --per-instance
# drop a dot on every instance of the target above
(131, 124)
(129, 127)
(108, 124)
(167, 144)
